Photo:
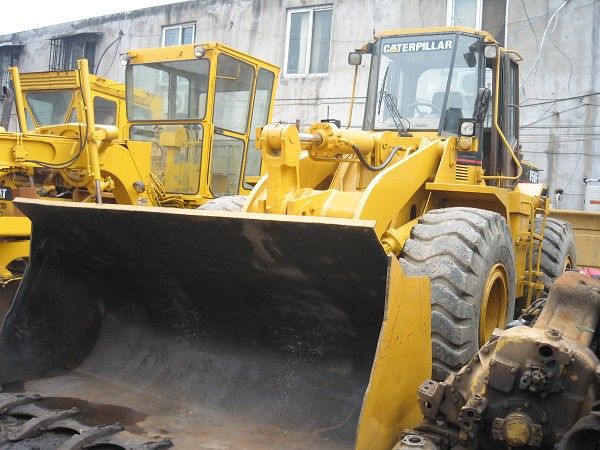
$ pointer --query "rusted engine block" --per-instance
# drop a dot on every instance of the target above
(534, 386)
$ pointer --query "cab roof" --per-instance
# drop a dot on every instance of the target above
(421, 31)
(186, 51)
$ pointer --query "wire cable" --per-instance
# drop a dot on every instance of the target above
(106, 49)
(537, 59)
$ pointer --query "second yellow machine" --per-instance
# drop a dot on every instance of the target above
(78, 142)
(308, 319)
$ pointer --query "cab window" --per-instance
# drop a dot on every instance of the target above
(176, 154)
(233, 94)
(105, 111)
(226, 165)
(260, 116)
(49, 107)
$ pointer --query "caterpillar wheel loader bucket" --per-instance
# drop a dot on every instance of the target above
(206, 329)
(7, 293)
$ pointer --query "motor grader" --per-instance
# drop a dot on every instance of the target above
(77, 142)
(361, 263)
(45, 99)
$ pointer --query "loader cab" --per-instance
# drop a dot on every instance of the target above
(428, 83)
(207, 102)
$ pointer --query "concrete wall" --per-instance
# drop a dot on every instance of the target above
(560, 120)
(560, 135)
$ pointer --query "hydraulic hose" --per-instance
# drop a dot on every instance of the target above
(368, 166)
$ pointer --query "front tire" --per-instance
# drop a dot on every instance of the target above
(468, 254)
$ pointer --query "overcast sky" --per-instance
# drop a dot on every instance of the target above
(25, 15)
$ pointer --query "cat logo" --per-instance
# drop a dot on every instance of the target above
(422, 46)
(6, 193)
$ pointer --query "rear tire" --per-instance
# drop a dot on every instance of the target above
(233, 203)
(468, 254)
(558, 249)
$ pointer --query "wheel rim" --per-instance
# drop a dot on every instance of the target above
(494, 303)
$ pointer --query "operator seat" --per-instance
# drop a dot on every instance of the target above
(455, 100)
(453, 109)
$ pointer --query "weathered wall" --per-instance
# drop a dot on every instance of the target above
(561, 124)
(257, 27)
(560, 101)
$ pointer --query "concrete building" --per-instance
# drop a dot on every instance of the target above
(559, 40)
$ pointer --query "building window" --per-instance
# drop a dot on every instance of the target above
(9, 57)
(488, 15)
(464, 13)
(178, 34)
(66, 50)
(308, 40)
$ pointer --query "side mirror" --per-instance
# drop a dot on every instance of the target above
(354, 58)
(482, 103)
(470, 59)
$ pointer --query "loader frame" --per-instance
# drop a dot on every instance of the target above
(430, 171)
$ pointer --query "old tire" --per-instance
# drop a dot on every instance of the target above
(558, 249)
(233, 203)
(468, 254)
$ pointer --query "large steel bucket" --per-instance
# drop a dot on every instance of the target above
(217, 330)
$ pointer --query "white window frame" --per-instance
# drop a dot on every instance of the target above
(450, 15)
(306, 72)
(179, 27)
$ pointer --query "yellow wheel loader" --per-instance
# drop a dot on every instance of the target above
(77, 142)
(361, 262)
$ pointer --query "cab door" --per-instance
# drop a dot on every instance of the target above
(510, 122)
(243, 102)
(500, 161)
(231, 115)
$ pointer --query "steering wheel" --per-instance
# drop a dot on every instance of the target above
(418, 108)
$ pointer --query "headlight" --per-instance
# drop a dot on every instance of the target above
(199, 51)
(125, 59)
(490, 51)
(354, 58)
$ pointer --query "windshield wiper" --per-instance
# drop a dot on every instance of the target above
(382, 90)
(391, 104)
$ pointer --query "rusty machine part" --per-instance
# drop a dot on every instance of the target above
(34, 422)
(529, 387)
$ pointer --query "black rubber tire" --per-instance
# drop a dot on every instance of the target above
(558, 246)
(233, 203)
(457, 248)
